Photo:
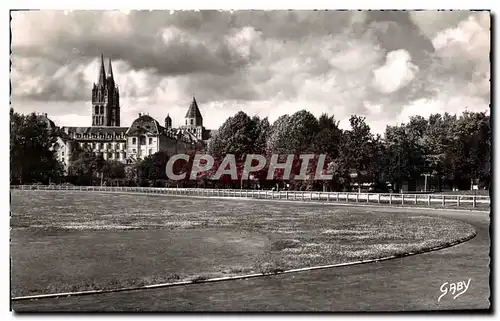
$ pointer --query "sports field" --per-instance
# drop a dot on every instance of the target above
(72, 241)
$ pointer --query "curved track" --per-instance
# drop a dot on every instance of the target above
(407, 284)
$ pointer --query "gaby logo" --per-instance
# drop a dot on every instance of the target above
(253, 163)
(459, 288)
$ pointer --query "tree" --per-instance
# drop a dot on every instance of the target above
(403, 157)
(358, 148)
(329, 137)
(239, 135)
(278, 135)
(153, 167)
(32, 157)
(86, 164)
(113, 169)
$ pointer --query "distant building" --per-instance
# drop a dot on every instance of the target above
(144, 137)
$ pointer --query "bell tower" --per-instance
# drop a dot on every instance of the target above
(105, 98)
(193, 120)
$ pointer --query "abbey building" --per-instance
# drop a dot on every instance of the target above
(144, 137)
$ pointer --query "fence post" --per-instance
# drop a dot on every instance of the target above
(474, 201)
(390, 198)
(458, 200)
(378, 198)
(347, 197)
(402, 199)
(444, 202)
(428, 199)
(338, 196)
(311, 196)
(367, 197)
(357, 197)
(302, 195)
(328, 197)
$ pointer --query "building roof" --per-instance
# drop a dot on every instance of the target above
(145, 124)
(95, 130)
(193, 110)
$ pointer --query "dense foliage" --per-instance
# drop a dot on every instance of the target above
(451, 150)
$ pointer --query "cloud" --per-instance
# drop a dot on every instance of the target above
(397, 72)
(374, 64)
(426, 107)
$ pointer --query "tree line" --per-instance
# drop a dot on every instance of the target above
(451, 150)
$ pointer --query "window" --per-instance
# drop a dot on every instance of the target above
(133, 150)
(191, 121)
(110, 155)
(150, 141)
(186, 121)
(102, 109)
(150, 152)
(134, 141)
(62, 154)
(117, 155)
(96, 111)
(98, 145)
(142, 140)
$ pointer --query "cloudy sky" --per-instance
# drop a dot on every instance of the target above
(385, 66)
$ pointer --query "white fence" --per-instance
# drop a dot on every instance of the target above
(380, 198)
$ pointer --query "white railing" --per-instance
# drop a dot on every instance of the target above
(345, 197)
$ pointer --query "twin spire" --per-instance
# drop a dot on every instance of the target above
(102, 74)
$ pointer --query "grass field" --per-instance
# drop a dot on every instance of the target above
(69, 241)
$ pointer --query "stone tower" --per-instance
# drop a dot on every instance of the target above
(105, 99)
(168, 122)
(194, 120)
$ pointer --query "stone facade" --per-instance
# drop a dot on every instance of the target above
(144, 137)
(105, 99)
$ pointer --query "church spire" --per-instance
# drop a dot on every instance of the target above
(193, 110)
(102, 73)
(110, 70)
(111, 79)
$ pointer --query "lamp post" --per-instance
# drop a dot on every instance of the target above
(425, 181)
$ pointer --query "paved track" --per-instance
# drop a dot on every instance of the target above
(411, 283)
